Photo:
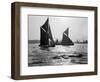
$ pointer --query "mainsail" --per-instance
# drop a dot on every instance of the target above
(66, 40)
(46, 38)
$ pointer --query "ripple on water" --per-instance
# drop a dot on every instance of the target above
(59, 55)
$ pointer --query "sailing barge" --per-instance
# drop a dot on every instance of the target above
(46, 38)
(66, 40)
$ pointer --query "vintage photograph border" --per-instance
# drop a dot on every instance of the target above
(15, 40)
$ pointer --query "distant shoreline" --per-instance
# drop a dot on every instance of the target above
(38, 41)
(33, 41)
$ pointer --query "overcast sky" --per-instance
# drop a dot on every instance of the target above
(78, 27)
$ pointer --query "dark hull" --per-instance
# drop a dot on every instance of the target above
(66, 44)
(46, 46)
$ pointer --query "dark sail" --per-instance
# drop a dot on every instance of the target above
(66, 40)
(46, 38)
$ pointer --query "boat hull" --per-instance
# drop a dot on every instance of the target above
(67, 44)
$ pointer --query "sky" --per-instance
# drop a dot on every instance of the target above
(78, 27)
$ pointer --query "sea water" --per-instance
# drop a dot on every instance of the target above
(58, 55)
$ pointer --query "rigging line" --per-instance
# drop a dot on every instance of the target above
(43, 29)
(65, 34)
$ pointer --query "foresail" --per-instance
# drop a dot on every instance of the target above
(49, 33)
(51, 41)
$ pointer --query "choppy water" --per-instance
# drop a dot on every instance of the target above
(58, 55)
